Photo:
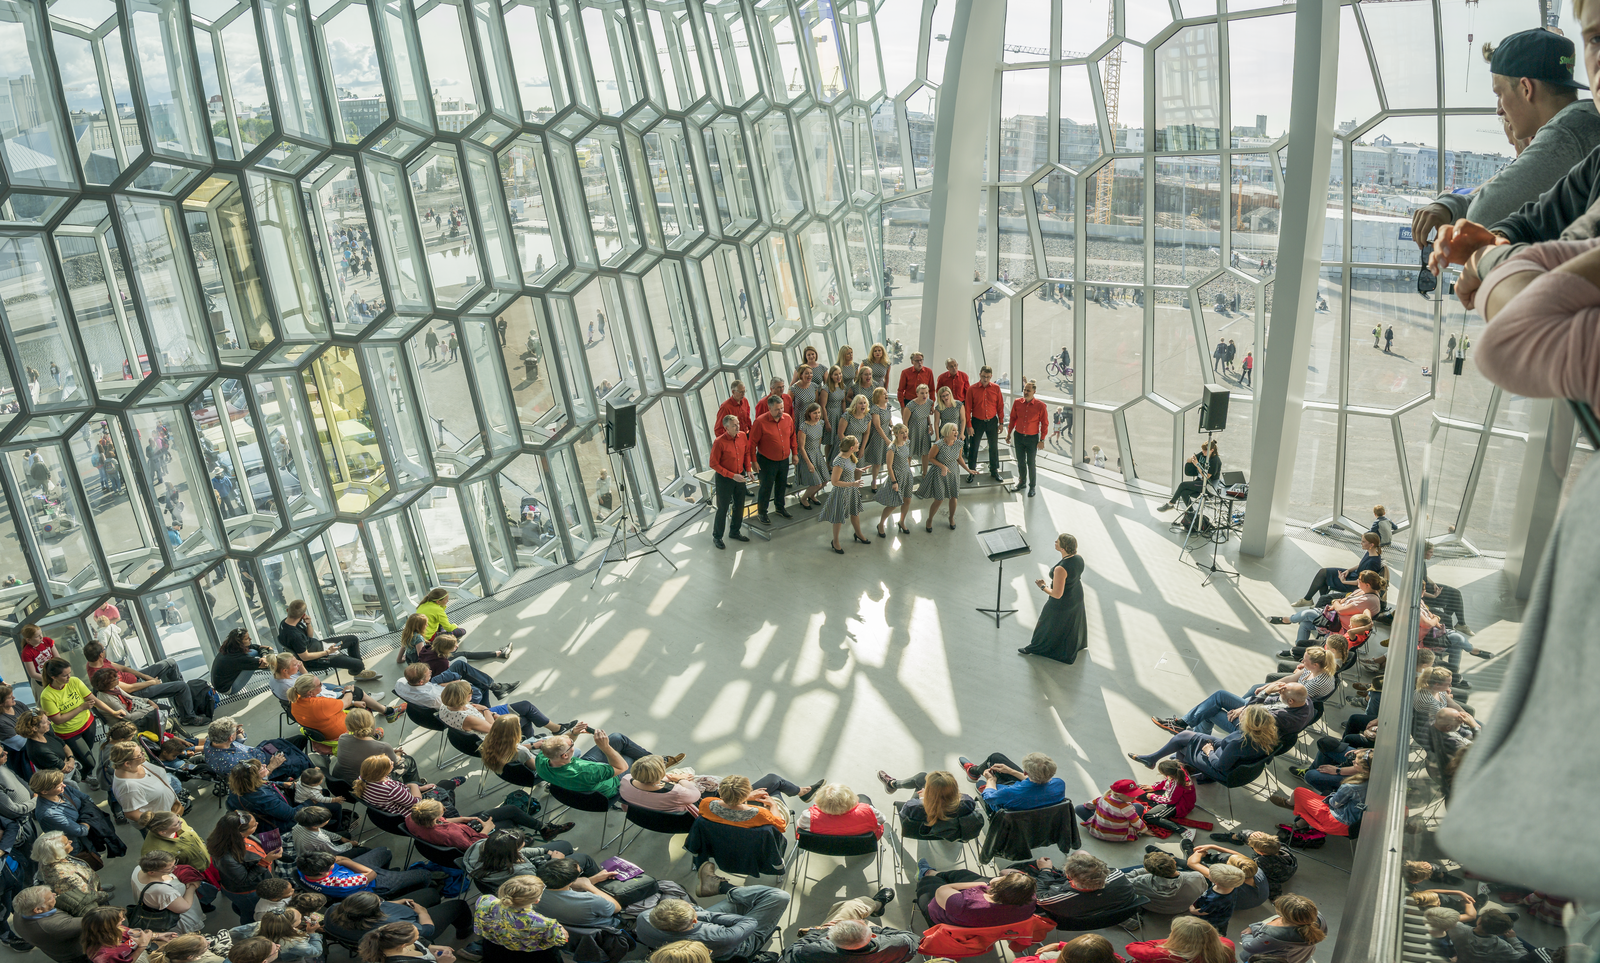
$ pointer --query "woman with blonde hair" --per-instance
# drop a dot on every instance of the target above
(187, 948)
(836, 392)
(896, 490)
(286, 669)
(844, 501)
(1063, 627)
(878, 441)
(1253, 742)
(362, 738)
(288, 930)
(940, 480)
(809, 474)
(459, 712)
(310, 707)
(648, 785)
(511, 930)
(739, 802)
(878, 361)
(75, 884)
(846, 363)
(917, 415)
(1292, 935)
(947, 410)
(1315, 671)
(838, 811)
(1191, 940)
(937, 799)
(683, 951)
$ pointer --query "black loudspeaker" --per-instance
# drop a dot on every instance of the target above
(1213, 408)
(622, 426)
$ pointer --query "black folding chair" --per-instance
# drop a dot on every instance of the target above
(1100, 921)
(650, 820)
(469, 744)
(394, 826)
(866, 844)
(439, 854)
(426, 718)
(588, 802)
(967, 830)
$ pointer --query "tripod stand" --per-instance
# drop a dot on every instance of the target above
(1201, 510)
(619, 534)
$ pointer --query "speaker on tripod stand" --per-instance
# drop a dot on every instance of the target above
(622, 435)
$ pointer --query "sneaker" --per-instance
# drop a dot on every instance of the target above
(1226, 837)
(390, 713)
(454, 783)
(1286, 654)
(883, 897)
(1300, 604)
(673, 760)
(970, 479)
(710, 883)
(968, 767)
(367, 675)
(1464, 629)
(1299, 772)
(1187, 845)
(1279, 799)
(472, 951)
(1462, 684)
(1152, 848)
(1483, 653)
(924, 868)
(888, 782)
(1190, 834)
(551, 831)
(1173, 725)
(566, 727)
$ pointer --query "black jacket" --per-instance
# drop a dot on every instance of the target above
(1013, 833)
(738, 850)
(1570, 209)
(228, 666)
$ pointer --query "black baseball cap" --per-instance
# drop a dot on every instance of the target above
(1537, 54)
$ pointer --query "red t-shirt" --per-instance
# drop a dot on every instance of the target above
(38, 655)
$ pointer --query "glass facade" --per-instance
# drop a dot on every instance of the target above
(328, 300)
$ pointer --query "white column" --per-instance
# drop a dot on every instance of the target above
(1545, 462)
(1282, 371)
(966, 95)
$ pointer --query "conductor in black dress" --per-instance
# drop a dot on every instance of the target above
(1203, 466)
(1063, 631)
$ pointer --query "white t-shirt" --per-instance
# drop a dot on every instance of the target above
(151, 794)
(426, 695)
(160, 895)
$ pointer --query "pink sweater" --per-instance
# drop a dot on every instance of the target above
(1114, 819)
(1545, 343)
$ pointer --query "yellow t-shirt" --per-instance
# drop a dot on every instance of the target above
(54, 700)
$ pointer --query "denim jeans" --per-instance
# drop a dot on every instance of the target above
(483, 697)
(1307, 620)
(1214, 712)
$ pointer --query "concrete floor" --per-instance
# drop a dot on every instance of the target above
(784, 657)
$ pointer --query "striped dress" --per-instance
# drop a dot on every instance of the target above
(811, 440)
(876, 445)
(804, 398)
(843, 502)
(918, 416)
(938, 484)
(887, 495)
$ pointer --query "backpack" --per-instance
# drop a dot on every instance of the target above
(523, 801)
(205, 698)
(449, 881)
(1301, 838)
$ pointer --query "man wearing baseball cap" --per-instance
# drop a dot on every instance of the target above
(1537, 100)
(1558, 212)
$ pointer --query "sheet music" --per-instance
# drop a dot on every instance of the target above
(1003, 541)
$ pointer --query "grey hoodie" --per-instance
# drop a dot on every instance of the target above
(1168, 896)
(16, 799)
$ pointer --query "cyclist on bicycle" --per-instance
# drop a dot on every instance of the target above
(1064, 359)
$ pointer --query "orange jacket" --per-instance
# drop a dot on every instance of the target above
(960, 941)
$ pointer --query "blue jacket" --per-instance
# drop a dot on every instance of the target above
(1026, 794)
(1349, 802)
(1232, 752)
(65, 815)
(267, 804)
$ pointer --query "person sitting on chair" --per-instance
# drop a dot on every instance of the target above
(597, 770)
(1085, 888)
(838, 811)
(848, 933)
(1444, 599)
(648, 785)
(421, 688)
(287, 668)
(574, 899)
(1202, 468)
(960, 897)
(441, 658)
(428, 822)
(1367, 599)
(295, 635)
(738, 927)
(225, 748)
(1252, 743)
(937, 802)
(1289, 705)
(1329, 582)
(1003, 786)
(457, 711)
(251, 792)
(237, 660)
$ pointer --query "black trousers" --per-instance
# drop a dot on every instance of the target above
(730, 495)
(1188, 491)
(929, 884)
(349, 656)
(985, 428)
(1027, 459)
(774, 481)
(774, 783)
(1449, 606)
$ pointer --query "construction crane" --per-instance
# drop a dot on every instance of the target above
(1112, 88)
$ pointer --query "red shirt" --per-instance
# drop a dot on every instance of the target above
(1028, 417)
(38, 655)
(957, 382)
(773, 439)
(910, 378)
(739, 409)
(985, 401)
(1155, 951)
(761, 406)
(728, 456)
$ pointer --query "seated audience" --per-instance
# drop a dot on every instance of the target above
(157, 887)
(507, 852)
(960, 897)
(1366, 598)
(240, 860)
(1171, 797)
(1169, 889)
(574, 899)
(428, 823)
(1315, 671)
(1338, 812)
(420, 688)
(142, 790)
(131, 692)
(76, 885)
(338, 876)
(106, 938)
(838, 811)
(312, 786)
(1084, 888)
(237, 660)
(1003, 786)
(459, 712)
(379, 790)
(311, 835)
(1216, 904)
(848, 933)
(1330, 582)
(286, 930)
(738, 927)
(287, 670)
(361, 740)
(1114, 816)
(250, 791)
(315, 711)
(648, 785)
(440, 657)
(937, 801)
(1432, 634)
(595, 771)
(739, 802)
(400, 941)
(432, 608)
(1255, 889)
(38, 921)
(1191, 940)
(1289, 705)
(295, 635)
(1443, 599)
(358, 914)
(1083, 948)
(1292, 935)
(225, 748)
(511, 927)
(1254, 742)
(275, 894)
(63, 807)
(46, 750)
(1278, 863)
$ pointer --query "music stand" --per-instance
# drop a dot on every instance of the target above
(1000, 544)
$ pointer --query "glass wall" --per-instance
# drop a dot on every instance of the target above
(329, 301)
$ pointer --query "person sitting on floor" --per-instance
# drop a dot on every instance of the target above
(838, 811)
(1255, 889)
(1084, 888)
(1191, 940)
(1171, 797)
(1252, 744)
(738, 927)
(1289, 704)
(1003, 786)
(848, 935)
(438, 657)
(1171, 889)
(1114, 817)
(1329, 582)
(1292, 935)
(596, 771)
(960, 897)
(1443, 599)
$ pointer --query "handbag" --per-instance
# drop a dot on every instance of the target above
(142, 917)
(629, 891)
